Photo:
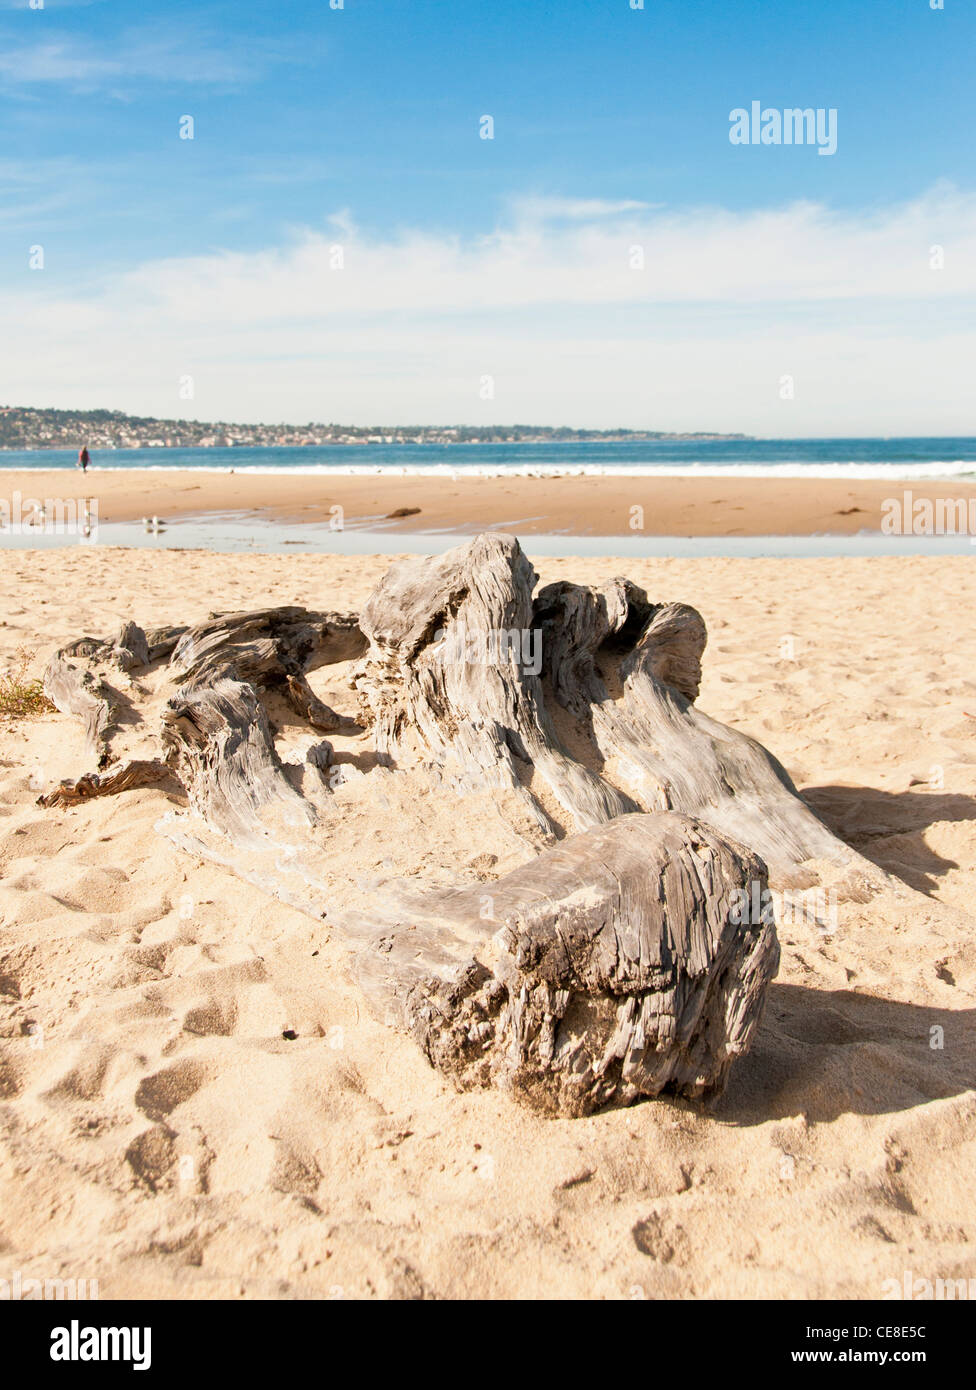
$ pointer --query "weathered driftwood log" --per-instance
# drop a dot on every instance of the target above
(457, 654)
(217, 736)
(452, 665)
(619, 964)
(90, 680)
(667, 754)
(72, 683)
(271, 648)
(219, 742)
(122, 777)
(608, 967)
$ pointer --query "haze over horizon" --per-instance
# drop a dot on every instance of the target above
(337, 241)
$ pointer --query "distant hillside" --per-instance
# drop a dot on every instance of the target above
(25, 428)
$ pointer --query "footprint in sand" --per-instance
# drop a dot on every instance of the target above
(217, 1017)
(152, 1155)
(160, 1094)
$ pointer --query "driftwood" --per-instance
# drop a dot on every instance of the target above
(619, 964)
(617, 961)
(78, 691)
(219, 740)
(92, 681)
(665, 752)
(137, 772)
(86, 680)
(447, 662)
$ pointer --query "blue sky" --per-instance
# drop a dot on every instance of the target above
(315, 127)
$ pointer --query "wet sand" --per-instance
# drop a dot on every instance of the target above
(582, 506)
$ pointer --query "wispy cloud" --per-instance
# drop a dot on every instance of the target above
(31, 189)
(801, 253)
(556, 311)
(168, 54)
(573, 209)
(49, 4)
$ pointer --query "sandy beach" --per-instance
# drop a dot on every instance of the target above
(570, 505)
(163, 1135)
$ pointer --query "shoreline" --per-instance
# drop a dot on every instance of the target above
(590, 505)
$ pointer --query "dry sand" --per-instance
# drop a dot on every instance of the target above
(161, 1135)
(597, 506)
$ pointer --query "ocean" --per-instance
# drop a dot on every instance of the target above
(895, 459)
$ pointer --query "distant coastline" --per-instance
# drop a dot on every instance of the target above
(25, 428)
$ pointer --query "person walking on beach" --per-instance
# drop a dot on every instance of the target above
(83, 458)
